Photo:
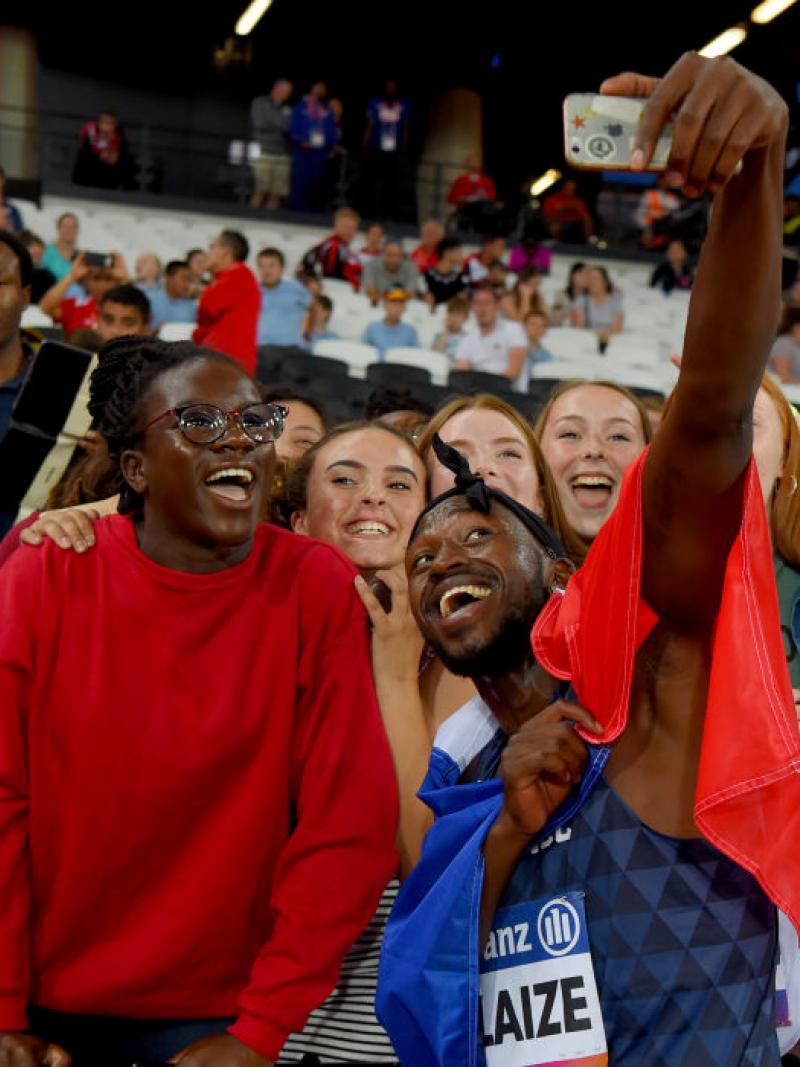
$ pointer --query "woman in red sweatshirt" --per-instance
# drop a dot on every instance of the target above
(197, 800)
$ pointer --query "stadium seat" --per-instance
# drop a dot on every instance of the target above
(348, 394)
(303, 369)
(477, 381)
(590, 367)
(436, 363)
(176, 331)
(397, 374)
(33, 317)
(356, 355)
(567, 342)
(634, 349)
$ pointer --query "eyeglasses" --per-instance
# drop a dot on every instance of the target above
(203, 424)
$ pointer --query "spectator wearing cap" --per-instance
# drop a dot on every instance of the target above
(392, 271)
(269, 118)
(10, 218)
(173, 302)
(391, 332)
(448, 278)
(227, 315)
(426, 254)
(284, 311)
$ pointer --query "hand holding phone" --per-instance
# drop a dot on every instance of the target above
(717, 113)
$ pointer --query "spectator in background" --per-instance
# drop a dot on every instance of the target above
(426, 254)
(392, 271)
(497, 278)
(10, 217)
(448, 278)
(373, 243)
(478, 264)
(42, 279)
(303, 425)
(227, 315)
(104, 159)
(474, 195)
(269, 120)
(74, 300)
(385, 145)
(784, 360)
(496, 346)
(60, 255)
(655, 205)
(319, 317)
(17, 348)
(147, 271)
(336, 165)
(453, 333)
(566, 215)
(313, 132)
(197, 258)
(675, 271)
(173, 301)
(391, 332)
(600, 307)
(333, 257)
(529, 254)
(398, 407)
(122, 311)
(576, 286)
(284, 310)
(524, 297)
(535, 326)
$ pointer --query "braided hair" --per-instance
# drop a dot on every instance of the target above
(126, 369)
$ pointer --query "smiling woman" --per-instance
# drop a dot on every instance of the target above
(590, 433)
(361, 489)
(232, 796)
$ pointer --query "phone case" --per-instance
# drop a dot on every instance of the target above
(599, 132)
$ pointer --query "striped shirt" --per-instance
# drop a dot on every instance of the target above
(344, 1029)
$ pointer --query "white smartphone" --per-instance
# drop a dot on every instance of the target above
(599, 132)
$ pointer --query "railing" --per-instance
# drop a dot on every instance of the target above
(207, 166)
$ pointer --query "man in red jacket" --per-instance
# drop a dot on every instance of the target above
(197, 799)
(227, 315)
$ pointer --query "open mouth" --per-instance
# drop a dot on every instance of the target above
(592, 490)
(461, 597)
(369, 528)
(232, 484)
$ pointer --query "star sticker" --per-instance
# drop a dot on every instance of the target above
(578, 122)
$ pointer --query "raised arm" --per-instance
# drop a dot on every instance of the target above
(694, 473)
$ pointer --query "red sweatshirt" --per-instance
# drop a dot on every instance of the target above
(197, 799)
(227, 315)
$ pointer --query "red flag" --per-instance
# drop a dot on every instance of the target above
(748, 788)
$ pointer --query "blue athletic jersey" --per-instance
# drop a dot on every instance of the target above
(683, 940)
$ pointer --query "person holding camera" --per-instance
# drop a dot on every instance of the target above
(74, 301)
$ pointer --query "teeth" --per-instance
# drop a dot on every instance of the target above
(232, 472)
(370, 527)
(593, 481)
(478, 592)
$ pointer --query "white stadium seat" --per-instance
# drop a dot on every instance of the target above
(33, 316)
(176, 331)
(590, 367)
(435, 362)
(355, 354)
(565, 342)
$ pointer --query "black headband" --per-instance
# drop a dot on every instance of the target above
(480, 497)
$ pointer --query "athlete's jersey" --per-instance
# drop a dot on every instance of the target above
(683, 940)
